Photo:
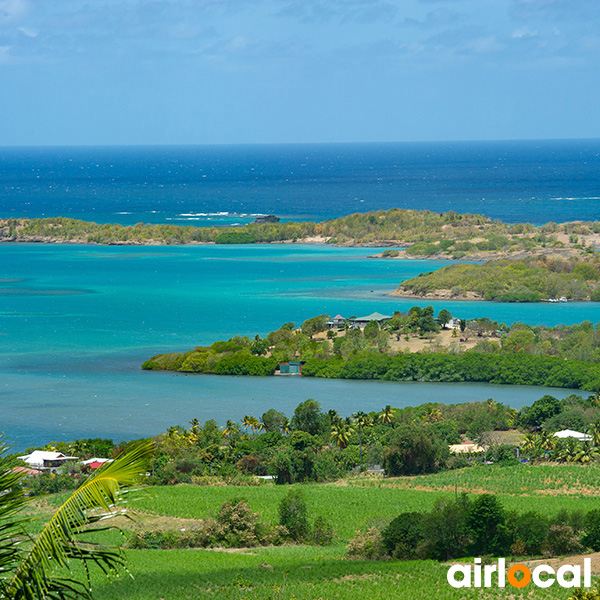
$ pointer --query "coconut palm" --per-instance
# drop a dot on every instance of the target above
(29, 569)
(231, 428)
(247, 422)
(286, 426)
(362, 419)
(386, 415)
(340, 433)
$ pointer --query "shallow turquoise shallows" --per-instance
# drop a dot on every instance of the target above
(76, 322)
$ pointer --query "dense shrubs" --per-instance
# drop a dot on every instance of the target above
(412, 450)
(235, 526)
(477, 527)
(513, 369)
(293, 515)
(523, 280)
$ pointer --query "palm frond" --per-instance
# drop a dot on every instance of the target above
(96, 499)
(12, 500)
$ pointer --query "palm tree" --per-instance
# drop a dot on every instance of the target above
(340, 432)
(195, 426)
(29, 569)
(247, 421)
(231, 428)
(362, 419)
(254, 424)
(286, 426)
(386, 415)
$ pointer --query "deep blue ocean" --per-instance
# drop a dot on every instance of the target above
(537, 181)
(76, 322)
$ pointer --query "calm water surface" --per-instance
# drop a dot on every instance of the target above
(77, 321)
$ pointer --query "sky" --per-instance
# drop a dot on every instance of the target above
(97, 72)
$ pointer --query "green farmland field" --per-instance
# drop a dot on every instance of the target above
(312, 572)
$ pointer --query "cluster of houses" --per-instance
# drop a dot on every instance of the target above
(339, 322)
(42, 461)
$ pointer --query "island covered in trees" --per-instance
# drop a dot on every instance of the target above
(411, 346)
(423, 233)
(532, 279)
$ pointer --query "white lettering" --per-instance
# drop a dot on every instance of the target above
(574, 570)
(501, 572)
(541, 582)
(477, 573)
(487, 575)
(587, 572)
(466, 580)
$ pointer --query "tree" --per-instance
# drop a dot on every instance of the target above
(362, 419)
(341, 430)
(411, 449)
(315, 325)
(386, 415)
(542, 409)
(273, 420)
(308, 417)
(444, 317)
(29, 570)
(371, 330)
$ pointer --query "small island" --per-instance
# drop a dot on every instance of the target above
(533, 279)
(411, 346)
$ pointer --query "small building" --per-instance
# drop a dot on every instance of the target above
(378, 317)
(290, 367)
(338, 322)
(569, 433)
(46, 461)
(453, 323)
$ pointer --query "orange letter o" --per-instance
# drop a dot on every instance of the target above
(514, 581)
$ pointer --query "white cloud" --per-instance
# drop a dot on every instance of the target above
(524, 32)
(29, 32)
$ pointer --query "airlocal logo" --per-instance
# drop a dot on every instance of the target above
(543, 576)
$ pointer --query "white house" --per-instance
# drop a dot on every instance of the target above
(46, 461)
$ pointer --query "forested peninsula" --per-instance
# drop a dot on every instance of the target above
(532, 279)
(412, 346)
(423, 233)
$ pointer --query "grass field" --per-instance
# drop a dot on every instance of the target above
(312, 573)
(288, 573)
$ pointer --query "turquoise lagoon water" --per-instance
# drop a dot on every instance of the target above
(76, 322)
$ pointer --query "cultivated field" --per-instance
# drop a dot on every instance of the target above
(313, 572)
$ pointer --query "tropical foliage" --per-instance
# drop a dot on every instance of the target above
(39, 567)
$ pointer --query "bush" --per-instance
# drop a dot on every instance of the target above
(367, 545)
(486, 523)
(293, 515)
(322, 533)
(591, 537)
(561, 539)
(403, 535)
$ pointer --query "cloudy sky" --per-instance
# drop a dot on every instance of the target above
(256, 71)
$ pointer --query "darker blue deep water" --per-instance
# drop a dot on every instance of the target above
(76, 322)
(538, 181)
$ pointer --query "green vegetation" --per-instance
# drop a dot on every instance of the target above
(481, 526)
(562, 356)
(427, 233)
(39, 567)
(528, 280)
